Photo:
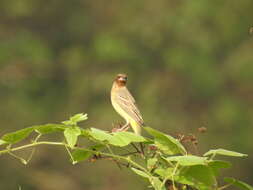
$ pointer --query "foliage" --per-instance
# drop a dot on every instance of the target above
(162, 160)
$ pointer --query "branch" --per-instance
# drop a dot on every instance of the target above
(127, 159)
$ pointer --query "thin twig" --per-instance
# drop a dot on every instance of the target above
(142, 149)
(136, 148)
(173, 174)
(130, 153)
(31, 155)
(127, 159)
(18, 157)
(225, 186)
(70, 155)
(33, 150)
(110, 150)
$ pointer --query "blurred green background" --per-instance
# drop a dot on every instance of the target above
(190, 64)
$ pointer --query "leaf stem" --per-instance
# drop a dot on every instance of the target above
(173, 174)
(110, 150)
(70, 155)
(30, 145)
(225, 186)
(127, 159)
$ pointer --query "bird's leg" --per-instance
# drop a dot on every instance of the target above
(125, 127)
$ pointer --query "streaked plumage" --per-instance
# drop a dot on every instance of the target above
(124, 103)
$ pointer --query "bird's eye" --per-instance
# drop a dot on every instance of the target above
(122, 78)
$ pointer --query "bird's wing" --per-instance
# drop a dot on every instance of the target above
(126, 101)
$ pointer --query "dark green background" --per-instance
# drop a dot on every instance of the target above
(190, 64)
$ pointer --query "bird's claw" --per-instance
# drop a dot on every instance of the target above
(124, 128)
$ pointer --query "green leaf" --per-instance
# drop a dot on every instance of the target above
(140, 173)
(100, 135)
(85, 132)
(151, 163)
(224, 152)
(166, 143)
(49, 128)
(17, 136)
(188, 160)
(216, 165)
(117, 139)
(168, 174)
(97, 147)
(71, 134)
(185, 180)
(132, 137)
(148, 141)
(79, 117)
(156, 183)
(81, 155)
(2, 142)
(188, 176)
(200, 175)
(165, 173)
(238, 183)
(125, 138)
(75, 119)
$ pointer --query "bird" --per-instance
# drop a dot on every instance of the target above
(124, 104)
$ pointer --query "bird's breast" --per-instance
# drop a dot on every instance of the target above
(118, 109)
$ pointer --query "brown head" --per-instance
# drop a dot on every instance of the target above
(121, 80)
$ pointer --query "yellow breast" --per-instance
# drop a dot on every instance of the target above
(120, 111)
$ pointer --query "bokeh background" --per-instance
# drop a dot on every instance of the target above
(190, 64)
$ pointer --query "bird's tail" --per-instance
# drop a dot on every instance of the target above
(136, 127)
(137, 130)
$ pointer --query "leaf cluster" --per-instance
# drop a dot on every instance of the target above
(162, 160)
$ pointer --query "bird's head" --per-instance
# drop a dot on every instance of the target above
(121, 79)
